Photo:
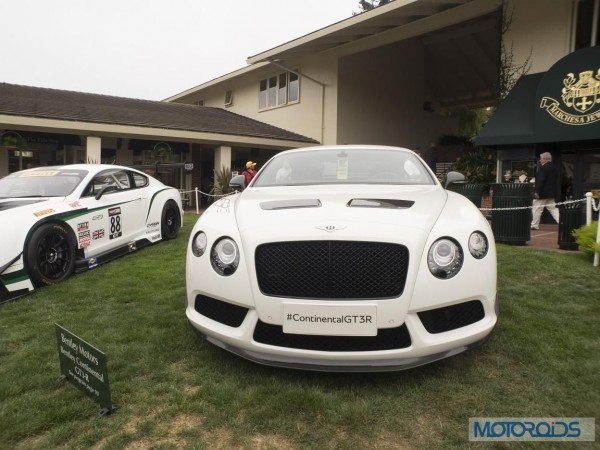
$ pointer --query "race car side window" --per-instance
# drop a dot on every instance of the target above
(139, 180)
(118, 179)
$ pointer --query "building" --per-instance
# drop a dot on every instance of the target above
(395, 75)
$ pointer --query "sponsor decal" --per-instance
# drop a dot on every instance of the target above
(152, 227)
(83, 226)
(532, 429)
(98, 217)
(43, 212)
(581, 97)
(39, 173)
(116, 228)
(132, 246)
(92, 262)
(75, 205)
(98, 234)
(156, 237)
(84, 239)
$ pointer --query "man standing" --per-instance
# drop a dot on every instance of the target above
(545, 190)
(249, 172)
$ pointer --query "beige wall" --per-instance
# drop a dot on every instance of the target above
(304, 117)
(541, 28)
(381, 96)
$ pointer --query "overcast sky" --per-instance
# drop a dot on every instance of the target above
(146, 48)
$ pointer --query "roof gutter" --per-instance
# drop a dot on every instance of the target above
(314, 80)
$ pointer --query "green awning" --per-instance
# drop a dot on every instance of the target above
(513, 121)
(561, 105)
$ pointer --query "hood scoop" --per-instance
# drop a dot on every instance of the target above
(380, 203)
(290, 204)
(9, 205)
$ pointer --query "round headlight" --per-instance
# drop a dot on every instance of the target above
(225, 256)
(445, 258)
(478, 245)
(199, 244)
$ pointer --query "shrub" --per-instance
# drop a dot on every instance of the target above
(220, 185)
(586, 238)
(479, 166)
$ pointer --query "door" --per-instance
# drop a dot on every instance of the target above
(116, 218)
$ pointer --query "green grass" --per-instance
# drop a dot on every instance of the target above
(176, 390)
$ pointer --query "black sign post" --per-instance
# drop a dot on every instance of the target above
(85, 367)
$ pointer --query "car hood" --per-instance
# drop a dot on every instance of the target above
(7, 204)
(278, 211)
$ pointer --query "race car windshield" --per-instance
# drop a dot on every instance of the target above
(349, 166)
(48, 182)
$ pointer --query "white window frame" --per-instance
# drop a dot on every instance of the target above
(199, 102)
(595, 24)
(287, 102)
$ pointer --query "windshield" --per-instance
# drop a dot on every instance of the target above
(47, 182)
(344, 166)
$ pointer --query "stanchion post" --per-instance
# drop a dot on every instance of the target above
(597, 254)
(197, 204)
(588, 208)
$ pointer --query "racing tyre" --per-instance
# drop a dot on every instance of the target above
(170, 221)
(50, 254)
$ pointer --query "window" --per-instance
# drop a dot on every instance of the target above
(119, 179)
(278, 90)
(587, 23)
(200, 102)
(229, 98)
(140, 180)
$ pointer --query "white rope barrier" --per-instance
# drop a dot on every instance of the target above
(517, 208)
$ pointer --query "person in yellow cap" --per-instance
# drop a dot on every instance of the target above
(249, 172)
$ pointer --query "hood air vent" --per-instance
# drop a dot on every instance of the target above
(380, 203)
(291, 204)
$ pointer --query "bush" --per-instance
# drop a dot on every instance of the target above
(586, 238)
(220, 184)
(479, 166)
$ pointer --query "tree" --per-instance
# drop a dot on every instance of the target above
(368, 5)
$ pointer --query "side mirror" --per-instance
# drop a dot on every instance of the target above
(105, 190)
(455, 177)
(238, 183)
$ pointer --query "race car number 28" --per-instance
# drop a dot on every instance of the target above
(116, 226)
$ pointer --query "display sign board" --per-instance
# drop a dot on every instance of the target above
(85, 367)
(188, 166)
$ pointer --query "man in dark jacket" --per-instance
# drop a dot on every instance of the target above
(545, 190)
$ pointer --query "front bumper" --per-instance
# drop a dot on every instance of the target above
(425, 347)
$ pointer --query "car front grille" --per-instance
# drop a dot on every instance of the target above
(452, 317)
(222, 312)
(386, 339)
(331, 269)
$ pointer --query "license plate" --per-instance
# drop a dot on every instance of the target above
(334, 320)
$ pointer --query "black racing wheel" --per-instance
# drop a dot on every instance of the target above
(50, 254)
(170, 221)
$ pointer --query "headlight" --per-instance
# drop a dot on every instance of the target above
(478, 245)
(445, 258)
(225, 256)
(199, 244)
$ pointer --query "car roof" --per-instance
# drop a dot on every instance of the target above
(91, 168)
(347, 147)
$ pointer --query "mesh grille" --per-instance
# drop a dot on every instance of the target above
(386, 339)
(452, 317)
(225, 313)
(332, 269)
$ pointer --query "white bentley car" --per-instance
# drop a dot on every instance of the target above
(343, 259)
(57, 220)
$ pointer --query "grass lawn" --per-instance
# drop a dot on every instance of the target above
(176, 390)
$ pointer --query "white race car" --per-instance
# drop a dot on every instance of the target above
(57, 220)
(343, 259)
